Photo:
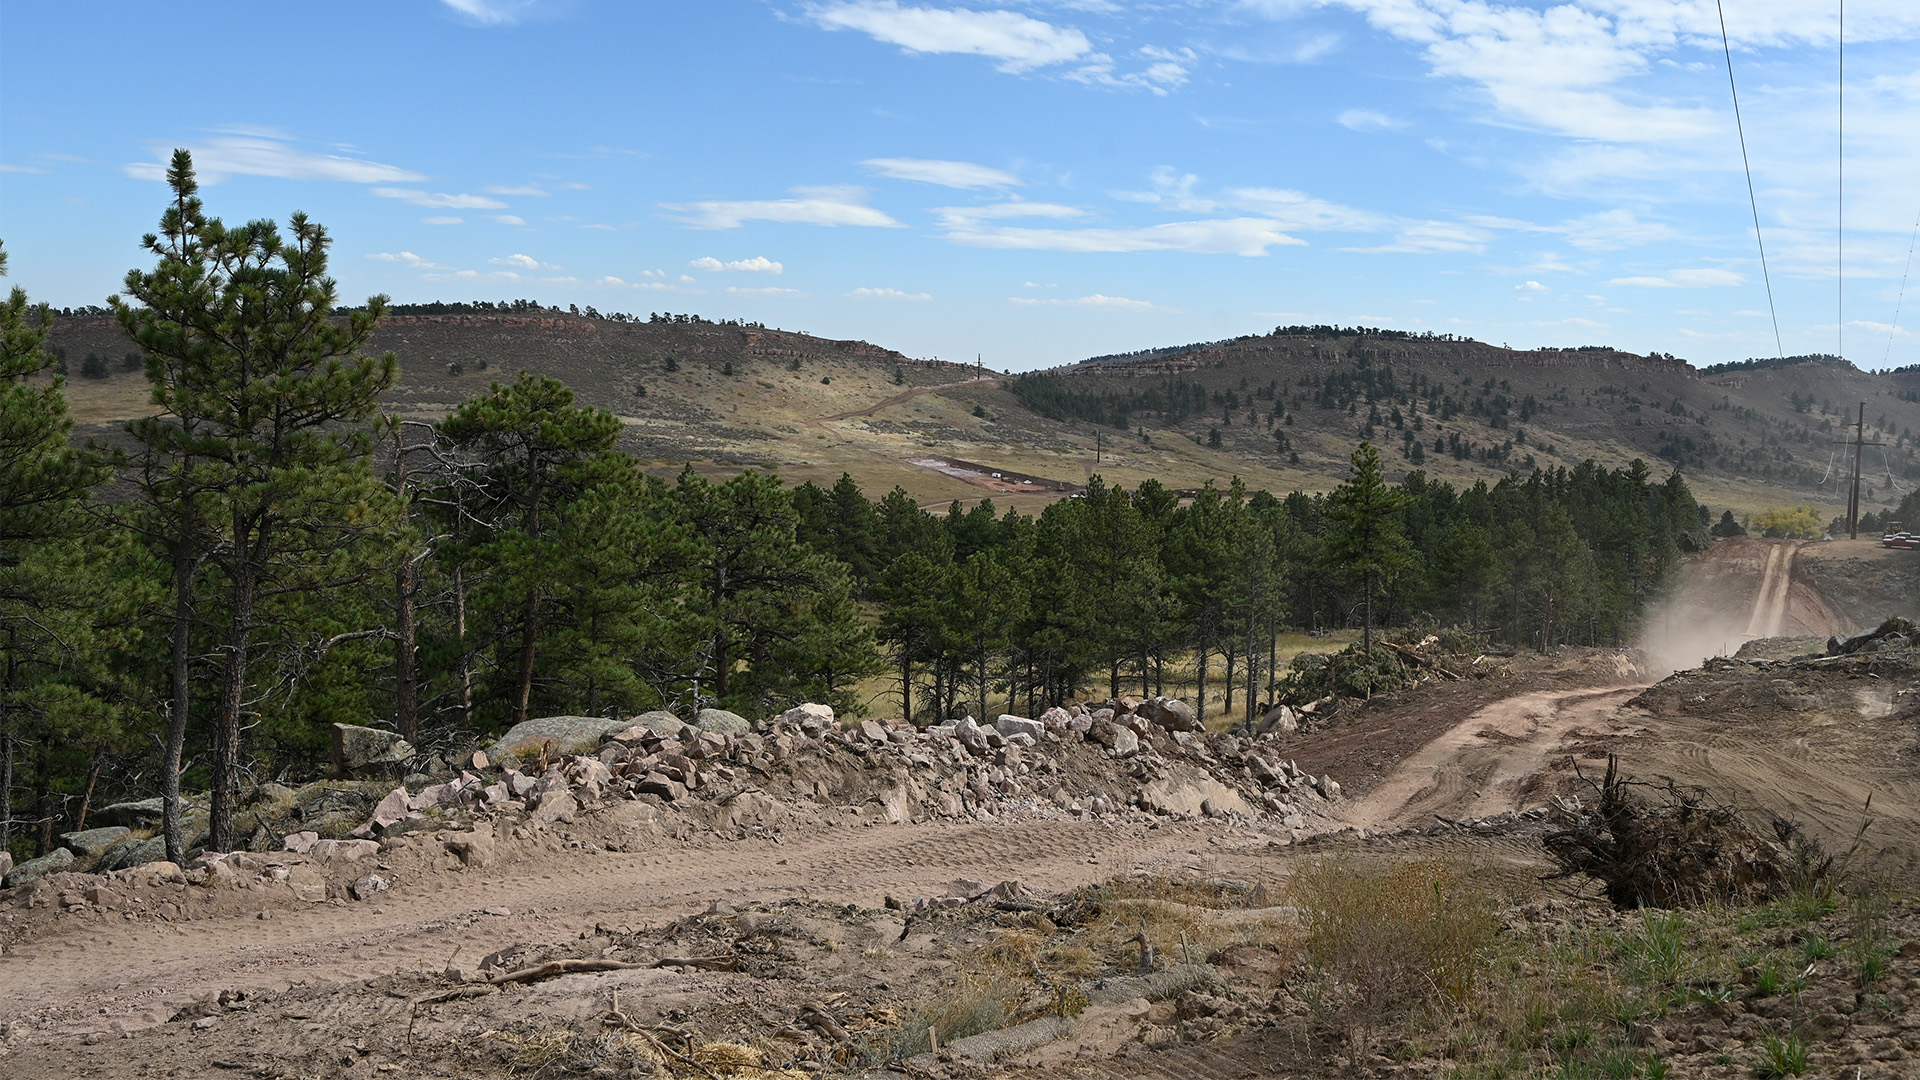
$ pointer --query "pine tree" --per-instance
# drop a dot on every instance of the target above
(42, 579)
(256, 462)
(542, 451)
(1366, 544)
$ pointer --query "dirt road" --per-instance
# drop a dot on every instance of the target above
(108, 974)
(1485, 765)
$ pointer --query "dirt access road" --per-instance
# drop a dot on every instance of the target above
(112, 975)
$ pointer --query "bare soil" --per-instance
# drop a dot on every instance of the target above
(833, 912)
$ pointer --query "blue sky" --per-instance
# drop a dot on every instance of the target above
(1034, 181)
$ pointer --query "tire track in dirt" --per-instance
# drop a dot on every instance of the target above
(436, 919)
(1478, 767)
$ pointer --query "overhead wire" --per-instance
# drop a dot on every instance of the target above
(1840, 200)
(1895, 328)
(1752, 200)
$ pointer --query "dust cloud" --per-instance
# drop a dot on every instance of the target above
(1738, 591)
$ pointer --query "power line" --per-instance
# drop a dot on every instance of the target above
(1840, 202)
(1752, 201)
(1895, 328)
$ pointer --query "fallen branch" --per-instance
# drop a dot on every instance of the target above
(1414, 658)
(552, 968)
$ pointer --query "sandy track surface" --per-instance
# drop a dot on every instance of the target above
(132, 974)
(1484, 765)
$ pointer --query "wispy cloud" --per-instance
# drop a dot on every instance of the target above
(887, 294)
(1702, 278)
(1097, 300)
(953, 174)
(1165, 70)
(769, 290)
(522, 262)
(1433, 237)
(1369, 120)
(407, 259)
(1222, 236)
(759, 264)
(1531, 287)
(433, 200)
(1019, 42)
(220, 157)
(509, 219)
(828, 206)
(444, 219)
(493, 12)
(532, 190)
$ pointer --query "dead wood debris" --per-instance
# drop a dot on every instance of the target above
(1668, 847)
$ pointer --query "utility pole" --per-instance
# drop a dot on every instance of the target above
(1098, 435)
(1860, 444)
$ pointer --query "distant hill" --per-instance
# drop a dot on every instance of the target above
(722, 396)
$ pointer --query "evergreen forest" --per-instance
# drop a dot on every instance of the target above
(270, 552)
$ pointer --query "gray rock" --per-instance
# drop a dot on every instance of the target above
(1197, 796)
(343, 850)
(556, 805)
(301, 842)
(35, 869)
(663, 786)
(368, 884)
(93, 842)
(474, 849)
(810, 717)
(660, 722)
(1170, 713)
(1010, 725)
(722, 721)
(364, 751)
(1125, 742)
(1278, 719)
(557, 735)
(144, 814)
(874, 731)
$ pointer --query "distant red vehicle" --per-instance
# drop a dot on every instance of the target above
(1900, 540)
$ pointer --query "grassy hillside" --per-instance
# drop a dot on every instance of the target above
(1747, 436)
(726, 396)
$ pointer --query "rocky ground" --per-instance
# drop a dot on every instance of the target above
(1079, 894)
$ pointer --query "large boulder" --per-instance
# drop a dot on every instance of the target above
(91, 843)
(722, 721)
(35, 869)
(1195, 796)
(1171, 714)
(660, 722)
(369, 752)
(144, 814)
(558, 736)
(1010, 725)
(810, 717)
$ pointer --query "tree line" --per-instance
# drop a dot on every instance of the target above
(269, 553)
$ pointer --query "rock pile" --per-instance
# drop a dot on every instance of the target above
(739, 777)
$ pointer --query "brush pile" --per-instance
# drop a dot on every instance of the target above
(1668, 847)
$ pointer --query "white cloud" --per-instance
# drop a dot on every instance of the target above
(1097, 300)
(953, 174)
(522, 262)
(828, 206)
(1223, 236)
(765, 291)
(218, 158)
(965, 217)
(887, 294)
(509, 219)
(1018, 42)
(1531, 287)
(407, 259)
(1607, 230)
(759, 264)
(444, 219)
(440, 200)
(5, 168)
(1166, 72)
(1429, 237)
(493, 12)
(1684, 279)
(1369, 120)
(515, 189)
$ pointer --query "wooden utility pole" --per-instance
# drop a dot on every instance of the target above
(1860, 444)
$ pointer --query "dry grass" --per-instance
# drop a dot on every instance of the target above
(1390, 939)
